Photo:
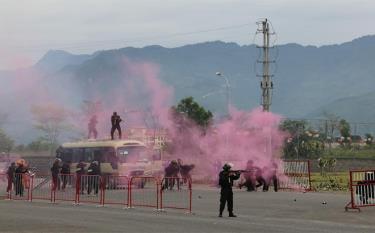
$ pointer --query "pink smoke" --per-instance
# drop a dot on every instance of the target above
(253, 135)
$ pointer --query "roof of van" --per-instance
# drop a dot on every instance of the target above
(102, 143)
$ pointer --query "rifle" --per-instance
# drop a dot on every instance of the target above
(242, 171)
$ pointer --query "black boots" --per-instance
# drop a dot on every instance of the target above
(232, 215)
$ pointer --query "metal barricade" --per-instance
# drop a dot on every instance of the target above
(362, 189)
(176, 193)
(66, 189)
(116, 190)
(89, 189)
(22, 186)
(6, 186)
(144, 192)
(296, 175)
(41, 187)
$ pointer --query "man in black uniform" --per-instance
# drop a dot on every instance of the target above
(65, 174)
(115, 120)
(171, 175)
(249, 176)
(226, 177)
(81, 184)
(55, 170)
(11, 176)
(93, 179)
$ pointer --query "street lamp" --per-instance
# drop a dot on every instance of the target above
(227, 87)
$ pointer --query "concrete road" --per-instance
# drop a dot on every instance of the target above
(257, 212)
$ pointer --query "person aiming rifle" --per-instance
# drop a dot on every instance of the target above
(226, 178)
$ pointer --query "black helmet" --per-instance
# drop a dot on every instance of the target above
(227, 167)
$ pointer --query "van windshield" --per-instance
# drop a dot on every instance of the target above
(133, 154)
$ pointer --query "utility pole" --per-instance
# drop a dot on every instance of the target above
(266, 83)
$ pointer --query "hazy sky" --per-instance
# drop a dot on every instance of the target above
(29, 28)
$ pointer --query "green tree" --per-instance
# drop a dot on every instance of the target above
(39, 145)
(330, 126)
(192, 110)
(51, 120)
(322, 163)
(301, 143)
(6, 143)
(3, 118)
(344, 127)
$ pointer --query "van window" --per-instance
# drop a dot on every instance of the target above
(132, 154)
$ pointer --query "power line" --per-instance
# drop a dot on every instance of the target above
(139, 39)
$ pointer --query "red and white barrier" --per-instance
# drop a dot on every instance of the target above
(41, 187)
(176, 193)
(296, 175)
(362, 189)
(67, 189)
(89, 189)
(116, 190)
(144, 192)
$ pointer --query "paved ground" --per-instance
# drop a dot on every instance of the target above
(257, 212)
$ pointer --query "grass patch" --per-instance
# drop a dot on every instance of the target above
(349, 153)
(330, 181)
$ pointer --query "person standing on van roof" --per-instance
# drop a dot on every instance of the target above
(115, 120)
(92, 127)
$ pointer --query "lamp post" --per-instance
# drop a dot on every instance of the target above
(227, 88)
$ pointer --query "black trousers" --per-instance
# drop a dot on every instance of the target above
(93, 183)
(262, 182)
(249, 184)
(113, 129)
(226, 196)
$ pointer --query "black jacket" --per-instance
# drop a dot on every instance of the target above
(81, 168)
(11, 171)
(93, 169)
(226, 179)
(65, 169)
(55, 170)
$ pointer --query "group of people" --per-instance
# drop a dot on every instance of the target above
(61, 174)
(177, 171)
(256, 177)
(115, 122)
(17, 177)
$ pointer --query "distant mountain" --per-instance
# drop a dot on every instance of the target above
(55, 60)
(308, 79)
(357, 109)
